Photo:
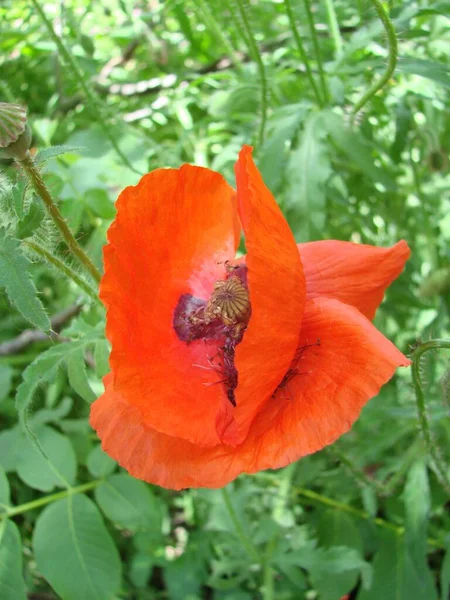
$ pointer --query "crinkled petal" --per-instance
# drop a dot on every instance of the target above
(277, 293)
(171, 236)
(356, 274)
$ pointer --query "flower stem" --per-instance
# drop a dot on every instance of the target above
(392, 59)
(431, 446)
(246, 542)
(315, 41)
(22, 508)
(42, 191)
(254, 51)
(334, 27)
(65, 269)
(91, 97)
(302, 52)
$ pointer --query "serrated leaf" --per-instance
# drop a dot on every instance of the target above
(12, 585)
(76, 370)
(14, 277)
(308, 171)
(45, 474)
(54, 151)
(31, 221)
(81, 561)
(429, 69)
(129, 503)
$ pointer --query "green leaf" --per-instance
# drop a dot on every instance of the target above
(10, 443)
(101, 358)
(6, 375)
(355, 147)
(75, 552)
(76, 370)
(39, 473)
(438, 72)
(417, 507)
(98, 200)
(12, 585)
(54, 151)
(445, 572)
(129, 503)
(14, 277)
(5, 494)
(31, 221)
(141, 566)
(308, 171)
(99, 463)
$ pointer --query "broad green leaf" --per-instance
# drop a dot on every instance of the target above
(31, 221)
(14, 277)
(101, 358)
(76, 370)
(5, 494)
(140, 569)
(129, 503)
(308, 171)
(417, 507)
(438, 72)
(99, 463)
(6, 374)
(99, 201)
(10, 443)
(75, 552)
(12, 585)
(39, 473)
(445, 573)
(185, 575)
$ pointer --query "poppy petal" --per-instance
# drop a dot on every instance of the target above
(277, 293)
(334, 381)
(356, 274)
(171, 236)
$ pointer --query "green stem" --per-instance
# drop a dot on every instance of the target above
(211, 23)
(392, 59)
(268, 587)
(42, 191)
(90, 95)
(22, 508)
(254, 51)
(246, 542)
(63, 268)
(302, 52)
(361, 514)
(317, 52)
(431, 446)
(334, 27)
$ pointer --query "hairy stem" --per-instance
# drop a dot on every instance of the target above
(42, 191)
(424, 422)
(63, 268)
(91, 97)
(22, 508)
(302, 51)
(254, 51)
(317, 52)
(392, 58)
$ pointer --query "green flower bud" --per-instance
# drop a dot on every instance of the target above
(437, 283)
(15, 133)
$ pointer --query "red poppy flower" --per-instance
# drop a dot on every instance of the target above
(221, 367)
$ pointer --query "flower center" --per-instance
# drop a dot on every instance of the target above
(223, 317)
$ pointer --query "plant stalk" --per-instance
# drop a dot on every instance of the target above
(317, 52)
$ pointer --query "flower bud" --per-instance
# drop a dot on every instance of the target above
(437, 283)
(15, 133)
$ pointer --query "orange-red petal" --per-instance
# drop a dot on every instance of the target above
(318, 405)
(171, 236)
(277, 293)
(356, 274)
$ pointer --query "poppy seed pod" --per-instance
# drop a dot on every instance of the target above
(15, 133)
(223, 365)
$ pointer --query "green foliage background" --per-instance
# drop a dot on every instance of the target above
(118, 88)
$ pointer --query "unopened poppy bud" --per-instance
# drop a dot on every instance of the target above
(15, 133)
(437, 283)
